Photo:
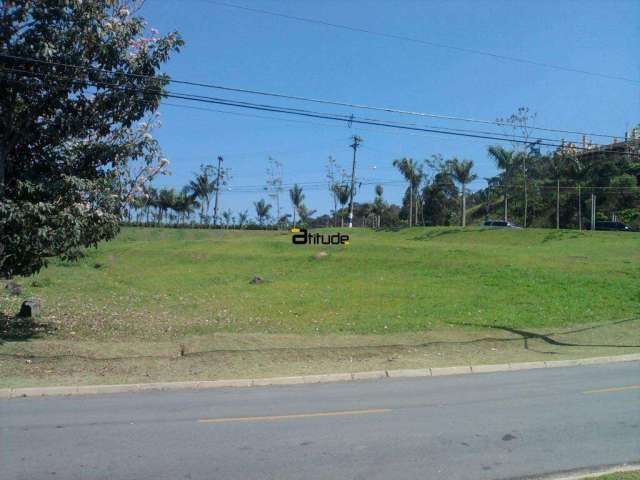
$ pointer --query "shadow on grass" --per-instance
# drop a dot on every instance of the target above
(561, 235)
(431, 234)
(18, 329)
(521, 335)
(525, 335)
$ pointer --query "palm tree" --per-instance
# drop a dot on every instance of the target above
(202, 186)
(305, 214)
(461, 171)
(378, 204)
(504, 161)
(283, 221)
(166, 201)
(342, 192)
(297, 197)
(262, 210)
(227, 216)
(185, 204)
(412, 172)
(179, 206)
(242, 218)
(138, 204)
(152, 202)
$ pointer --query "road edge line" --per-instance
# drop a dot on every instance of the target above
(26, 392)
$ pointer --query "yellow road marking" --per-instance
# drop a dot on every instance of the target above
(295, 415)
(614, 389)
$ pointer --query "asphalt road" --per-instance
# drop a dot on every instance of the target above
(484, 426)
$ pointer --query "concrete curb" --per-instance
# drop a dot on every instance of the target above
(9, 393)
(583, 474)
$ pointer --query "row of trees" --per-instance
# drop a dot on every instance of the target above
(192, 203)
(169, 206)
(531, 188)
(554, 189)
(446, 173)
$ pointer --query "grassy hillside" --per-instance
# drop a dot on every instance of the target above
(177, 282)
(166, 304)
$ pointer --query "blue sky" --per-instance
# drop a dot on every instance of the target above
(243, 49)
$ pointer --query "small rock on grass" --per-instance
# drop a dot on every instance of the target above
(30, 308)
(14, 287)
(257, 280)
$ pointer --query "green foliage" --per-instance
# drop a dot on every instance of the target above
(202, 187)
(79, 81)
(461, 171)
(33, 230)
(342, 192)
(610, 175)
(413, 174)
(629, 215)
(262, 210)
(440, 200)
(297, 197)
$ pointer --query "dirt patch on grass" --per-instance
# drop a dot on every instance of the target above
(51, 361)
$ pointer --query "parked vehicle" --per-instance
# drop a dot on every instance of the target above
(614, 226)
(499, 224)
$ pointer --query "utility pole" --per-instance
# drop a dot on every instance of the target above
(579, 209)
(215, 205)
(356, 143)
(524, 171)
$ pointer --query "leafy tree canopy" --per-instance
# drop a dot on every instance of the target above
(80, 83)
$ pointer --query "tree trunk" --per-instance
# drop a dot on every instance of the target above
(4, 156)
(558, 205)
(410, 204)
(506, 205)
(464, 205)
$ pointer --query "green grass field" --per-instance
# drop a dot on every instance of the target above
(192, 287)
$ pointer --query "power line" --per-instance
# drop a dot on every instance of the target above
(252, 115)
(375, 130)
(306, 113)
(300, 112)
(424, 42)
(309, 99)
(304, 122)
